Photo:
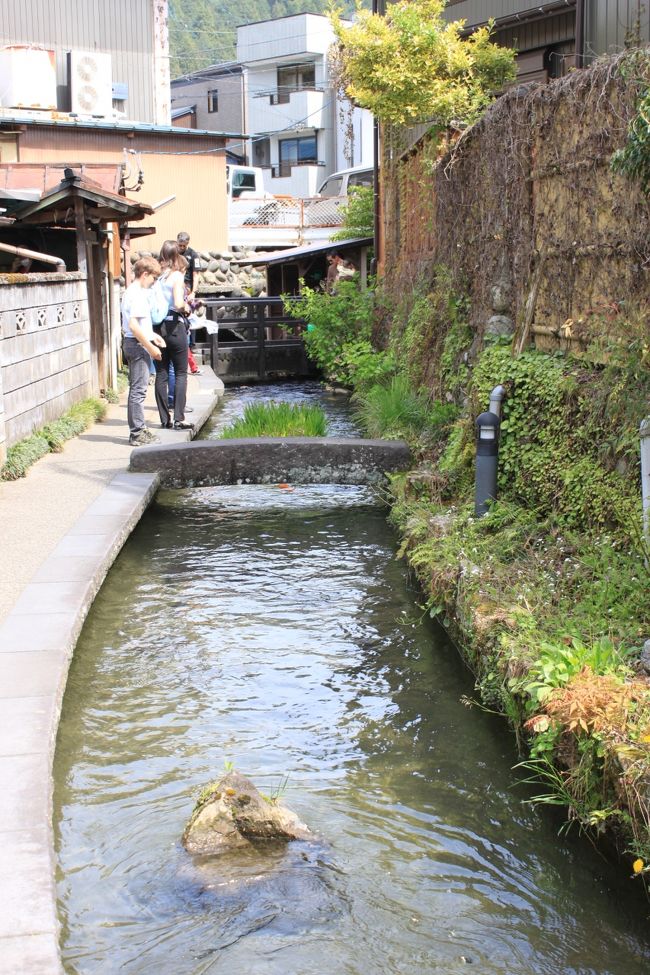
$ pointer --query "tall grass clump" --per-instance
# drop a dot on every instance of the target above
(51, 438)
(278, 420)
(394, 409)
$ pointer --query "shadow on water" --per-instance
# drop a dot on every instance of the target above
(278, 631)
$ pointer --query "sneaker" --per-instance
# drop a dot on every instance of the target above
(143, 439)
(181, 425)
(149, 436)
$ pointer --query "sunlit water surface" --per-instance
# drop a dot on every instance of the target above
(276, 630)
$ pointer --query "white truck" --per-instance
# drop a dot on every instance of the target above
(257, 218)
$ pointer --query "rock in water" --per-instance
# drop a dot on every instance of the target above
(232, 814)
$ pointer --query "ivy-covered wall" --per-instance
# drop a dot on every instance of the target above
(525, 201)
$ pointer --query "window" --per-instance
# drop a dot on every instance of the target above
(297, 152)
(213, 100)
(331, 186)
(242, 182)
(361, 179)
(295, 77)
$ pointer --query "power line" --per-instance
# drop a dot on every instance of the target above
(252, 140)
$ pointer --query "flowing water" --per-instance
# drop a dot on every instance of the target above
(276, 630)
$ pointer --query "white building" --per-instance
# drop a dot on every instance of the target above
(301, 131)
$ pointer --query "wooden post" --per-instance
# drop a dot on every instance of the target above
(3, 436)
(363, 268)
(522, 338)
(261, 340)
(85, 264)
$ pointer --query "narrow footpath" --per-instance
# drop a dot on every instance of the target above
(62, 527)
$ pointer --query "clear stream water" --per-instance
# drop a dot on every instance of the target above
(276, 630)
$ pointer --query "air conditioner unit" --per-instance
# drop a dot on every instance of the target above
(91, 88)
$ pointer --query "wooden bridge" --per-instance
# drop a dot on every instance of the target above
(257, 341)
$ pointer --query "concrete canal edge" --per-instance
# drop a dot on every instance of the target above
(272, 460)
(38, 639)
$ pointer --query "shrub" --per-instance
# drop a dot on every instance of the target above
(51, 438)
(338, 321)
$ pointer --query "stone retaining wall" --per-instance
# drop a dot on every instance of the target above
(225, 272)
(273, 460)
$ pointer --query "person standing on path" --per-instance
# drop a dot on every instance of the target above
(190, 255)
(173, 331)
(191, 284)
(140, 346)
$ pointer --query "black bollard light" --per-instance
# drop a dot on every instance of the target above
(487, 461)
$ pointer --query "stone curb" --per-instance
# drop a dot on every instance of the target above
(37, 640)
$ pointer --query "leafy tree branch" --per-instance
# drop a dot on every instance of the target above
(410, 65)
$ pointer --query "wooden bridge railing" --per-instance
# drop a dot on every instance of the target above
(262, 342)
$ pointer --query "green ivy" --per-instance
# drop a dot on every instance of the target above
(633, 160)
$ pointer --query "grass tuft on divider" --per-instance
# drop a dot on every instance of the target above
(278, 419)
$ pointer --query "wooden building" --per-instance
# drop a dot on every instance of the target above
(59, 325)
(553, 37)
(183, 168)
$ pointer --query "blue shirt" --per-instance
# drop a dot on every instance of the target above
(135, 304)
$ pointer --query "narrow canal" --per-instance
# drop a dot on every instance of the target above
(276, 630)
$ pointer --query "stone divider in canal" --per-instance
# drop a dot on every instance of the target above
(271, 460)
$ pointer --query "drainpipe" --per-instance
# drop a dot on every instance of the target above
(644, 431)
(33, 255)
(496, 398)
(487, 452)
(580, 33)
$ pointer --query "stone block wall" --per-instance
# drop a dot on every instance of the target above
(45, 364)
(227, 273)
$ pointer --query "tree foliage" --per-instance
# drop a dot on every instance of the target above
(358, 215)
(410, 65)
(633, 160)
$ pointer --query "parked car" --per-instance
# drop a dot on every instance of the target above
(323, 209)
(338, 184)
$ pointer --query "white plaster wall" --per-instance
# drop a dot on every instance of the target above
(285, 37)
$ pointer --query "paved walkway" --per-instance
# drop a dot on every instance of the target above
(62, 527)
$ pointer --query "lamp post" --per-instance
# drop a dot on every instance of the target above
(487, 461)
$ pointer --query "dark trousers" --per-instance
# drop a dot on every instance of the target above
(175, 352)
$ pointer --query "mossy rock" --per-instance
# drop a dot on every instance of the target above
(231, 814)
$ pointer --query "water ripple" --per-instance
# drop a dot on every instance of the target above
(277, 632)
